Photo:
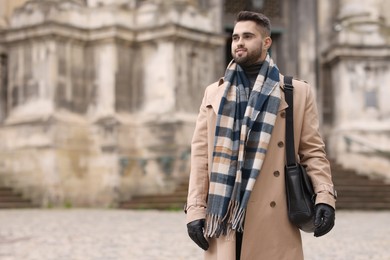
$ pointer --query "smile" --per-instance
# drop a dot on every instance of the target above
(240, 51)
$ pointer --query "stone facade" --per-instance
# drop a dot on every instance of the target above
(98, 98)
(102, 96)
(355, 83)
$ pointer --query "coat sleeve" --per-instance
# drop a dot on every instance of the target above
(199, 179)
(312, 153)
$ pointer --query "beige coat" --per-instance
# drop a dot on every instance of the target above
(268, 234)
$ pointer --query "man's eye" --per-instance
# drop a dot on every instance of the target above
(235, 38)
(247, 36)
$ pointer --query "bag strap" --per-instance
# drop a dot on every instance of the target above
(290, 151)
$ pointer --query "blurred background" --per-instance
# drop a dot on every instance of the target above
(98, 98)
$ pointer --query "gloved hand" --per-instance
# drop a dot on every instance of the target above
(195, 231)
(324, 219)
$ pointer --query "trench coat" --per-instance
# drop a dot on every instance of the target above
(268, 234)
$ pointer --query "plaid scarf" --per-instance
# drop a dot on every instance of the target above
(243, 131)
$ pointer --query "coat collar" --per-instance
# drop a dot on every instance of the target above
(215, 99)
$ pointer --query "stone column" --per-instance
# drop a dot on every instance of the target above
(104, 66)
(307, 46)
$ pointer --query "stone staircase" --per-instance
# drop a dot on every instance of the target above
(360, 192)
(355, 192)
(173, 201)
(9, 199)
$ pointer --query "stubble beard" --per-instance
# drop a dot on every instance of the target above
(249, 59)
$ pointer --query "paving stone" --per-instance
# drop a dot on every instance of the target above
(99, 234)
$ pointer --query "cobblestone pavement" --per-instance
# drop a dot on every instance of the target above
(91, 234)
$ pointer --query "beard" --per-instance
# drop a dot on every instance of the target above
(250, 58)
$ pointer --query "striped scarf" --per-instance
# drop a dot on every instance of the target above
(243, 131)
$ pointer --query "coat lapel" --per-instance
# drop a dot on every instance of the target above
(215, 98)
(283, 104)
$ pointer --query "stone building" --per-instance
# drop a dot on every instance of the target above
(354, 66)
(99, 97)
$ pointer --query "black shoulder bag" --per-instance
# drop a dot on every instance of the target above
(299, 189)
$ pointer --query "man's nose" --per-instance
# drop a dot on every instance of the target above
(240, 42)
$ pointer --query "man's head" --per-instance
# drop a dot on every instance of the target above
(251, 38)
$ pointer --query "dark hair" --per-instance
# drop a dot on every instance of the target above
(259, 18)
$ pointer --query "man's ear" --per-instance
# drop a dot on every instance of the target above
(267, 43)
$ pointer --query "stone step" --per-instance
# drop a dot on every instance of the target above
(152, 205)
(363, 206)
(10, 199)
(175, 200)
(161, 198)
(363, 189)
(364, 198)
(362, 181)
(16, 205)
(5, 190)
(359, 192)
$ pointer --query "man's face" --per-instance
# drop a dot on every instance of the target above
(248, 45)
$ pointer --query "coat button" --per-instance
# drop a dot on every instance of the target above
(283, 114)
(280, 144)
(276, 173)
(272, 204)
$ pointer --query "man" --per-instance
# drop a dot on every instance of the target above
(236, 206)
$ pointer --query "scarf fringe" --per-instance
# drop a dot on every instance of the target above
(232, 210)
(210, 225)
(232, 221)
(238, 222)
(213, 225)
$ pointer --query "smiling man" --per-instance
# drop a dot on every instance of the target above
(250, 42)
(236, 205)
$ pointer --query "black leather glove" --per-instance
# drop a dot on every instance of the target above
(195, 231)
(324, 219)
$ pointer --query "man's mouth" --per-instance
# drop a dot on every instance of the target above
(240, 51)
